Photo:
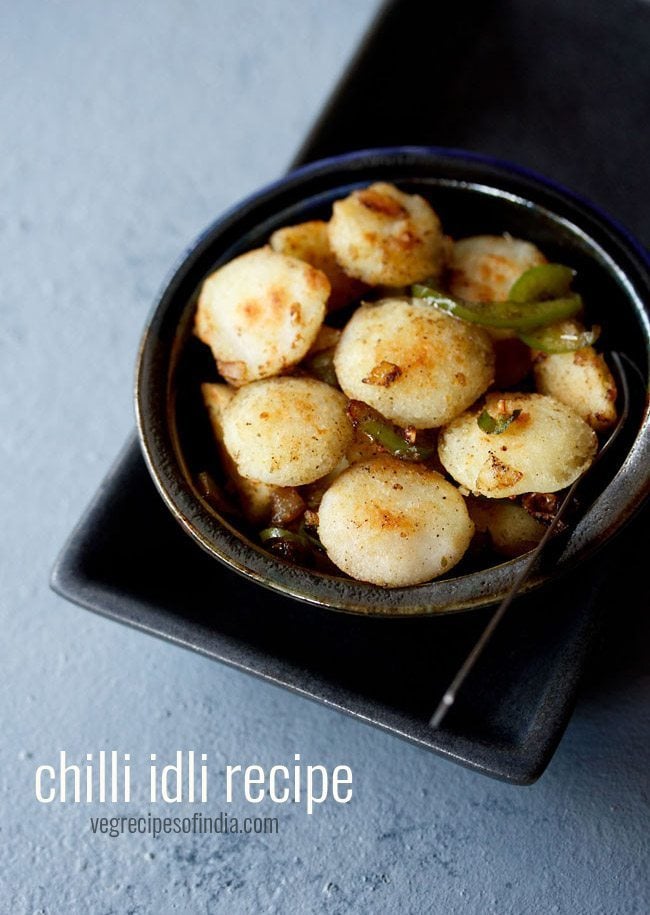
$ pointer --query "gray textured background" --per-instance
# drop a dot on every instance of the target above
(126, 128)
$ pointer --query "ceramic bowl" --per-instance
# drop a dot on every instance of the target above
(473, 194)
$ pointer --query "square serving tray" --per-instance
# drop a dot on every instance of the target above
(130, 561)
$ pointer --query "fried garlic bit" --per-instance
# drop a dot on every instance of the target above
(309, 241)
(260, 313)
(393, 524)
(544, 448)
(385, 237)
(415, 365)
(581, 380)
(286, 431)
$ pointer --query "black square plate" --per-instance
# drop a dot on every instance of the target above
(128, 559)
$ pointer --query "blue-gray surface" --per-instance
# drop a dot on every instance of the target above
(126, 128)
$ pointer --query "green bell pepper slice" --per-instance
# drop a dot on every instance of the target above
(556, 339)
(520, 316)
(546, 281)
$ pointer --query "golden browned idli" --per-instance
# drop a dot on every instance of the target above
(309, 241)
(511, 529)
(260, 313)
(413, 363)
(385, 237)
(286, 431)
(483, 268)
(581, 380)
(256, 499)
(393, 524)
(544, 449)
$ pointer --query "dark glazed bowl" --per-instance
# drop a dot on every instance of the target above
(473, 195)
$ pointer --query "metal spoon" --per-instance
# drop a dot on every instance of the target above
(450, 694)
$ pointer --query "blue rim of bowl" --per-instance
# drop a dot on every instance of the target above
(447, 152)
(451, 595)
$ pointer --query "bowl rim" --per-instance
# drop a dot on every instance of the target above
(221, 539)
